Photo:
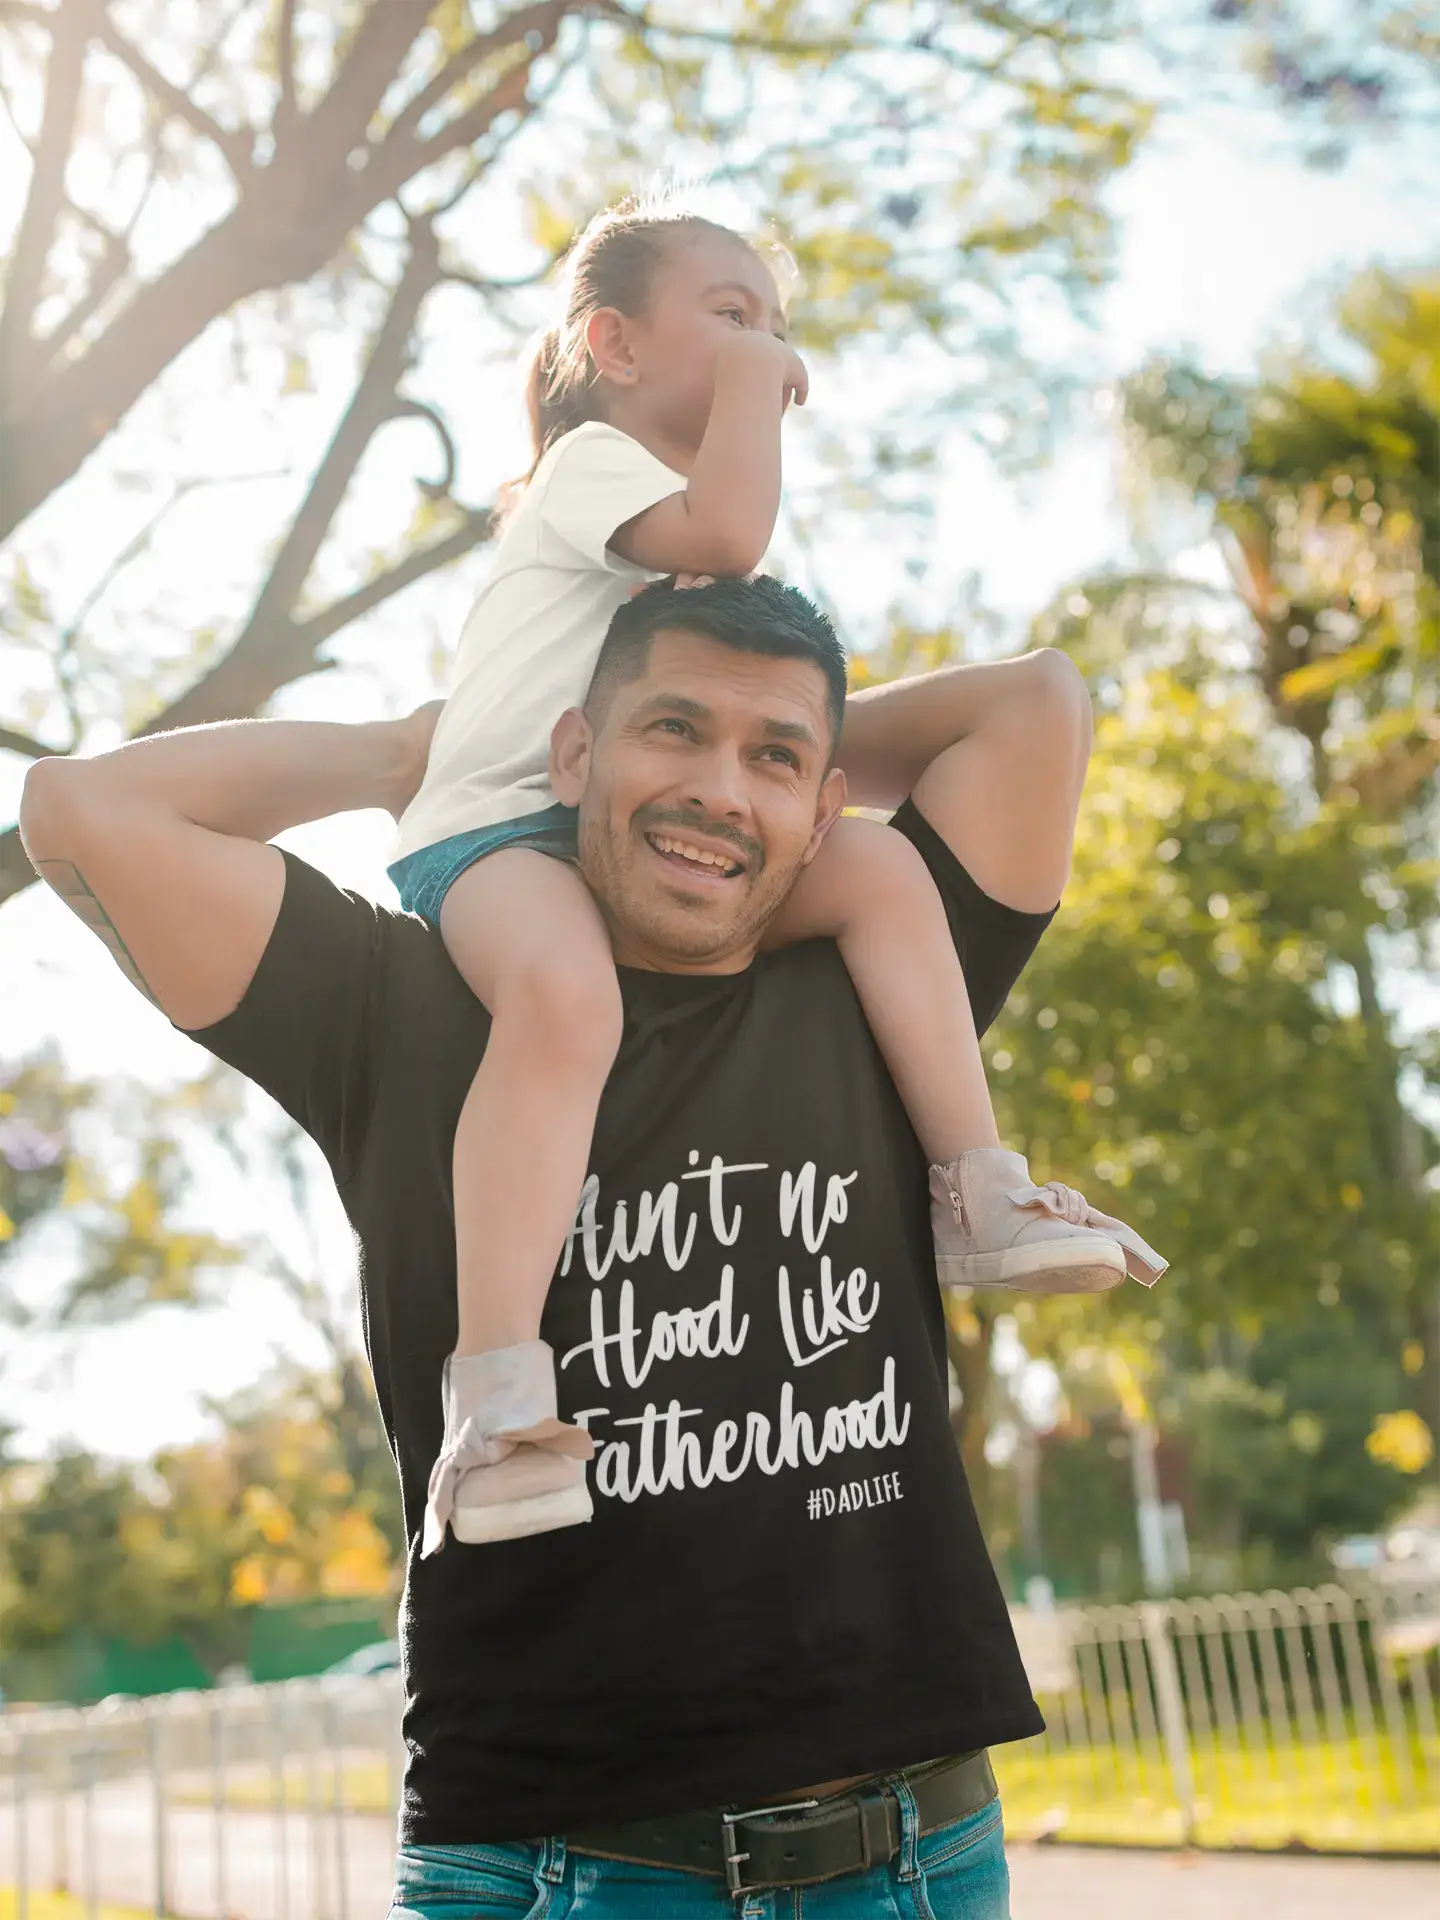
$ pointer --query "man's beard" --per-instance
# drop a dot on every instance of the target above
(669, 925)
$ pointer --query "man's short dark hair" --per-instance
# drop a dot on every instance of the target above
(752, 616)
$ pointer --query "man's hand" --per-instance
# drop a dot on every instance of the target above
(993, 755)
(414, 734)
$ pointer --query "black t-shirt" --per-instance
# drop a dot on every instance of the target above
(784, 1581)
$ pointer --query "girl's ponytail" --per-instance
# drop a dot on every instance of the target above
(556, 394)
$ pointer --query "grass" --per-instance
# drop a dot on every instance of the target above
(1344, 1795)
(64, 1906)
(364, 1788)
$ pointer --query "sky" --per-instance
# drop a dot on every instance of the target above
(1223, 241)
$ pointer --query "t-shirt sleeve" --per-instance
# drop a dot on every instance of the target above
(306, 1030)
(994, 941)
(600, 479)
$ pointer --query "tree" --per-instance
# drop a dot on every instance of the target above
(332, 166)
(184, 1546)
(1321, 486)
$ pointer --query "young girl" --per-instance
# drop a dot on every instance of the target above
(656, 410)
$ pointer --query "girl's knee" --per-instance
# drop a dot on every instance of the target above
(878, 867)
(568, 1011)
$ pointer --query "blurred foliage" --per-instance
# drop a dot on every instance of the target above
(344, 182)
(36, 1101)
(1323, 481)
(268, 1511)
(1183, 1037)
(1341, 71)
(103, 1170)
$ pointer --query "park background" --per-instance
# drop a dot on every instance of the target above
(1123, 320)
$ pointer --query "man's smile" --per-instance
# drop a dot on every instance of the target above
(695, 855)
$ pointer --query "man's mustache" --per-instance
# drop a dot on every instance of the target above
(649, 818)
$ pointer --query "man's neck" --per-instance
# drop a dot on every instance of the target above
(630, 952)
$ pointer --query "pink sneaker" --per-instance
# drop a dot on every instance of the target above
(995, 1228)
(508, 1466)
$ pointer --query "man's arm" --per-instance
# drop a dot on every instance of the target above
(159, 847)
(993, 755)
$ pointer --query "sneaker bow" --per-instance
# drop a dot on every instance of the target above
(471, 1447)
(1142, 1263)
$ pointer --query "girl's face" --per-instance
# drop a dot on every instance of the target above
(705, 287)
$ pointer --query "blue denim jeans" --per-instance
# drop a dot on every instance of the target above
(955, 1873)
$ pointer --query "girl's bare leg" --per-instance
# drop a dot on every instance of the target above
(529, 940)
(869, 889)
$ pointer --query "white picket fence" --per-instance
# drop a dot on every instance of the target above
(1247, 1719)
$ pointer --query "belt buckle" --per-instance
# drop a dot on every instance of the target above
(734, 1880)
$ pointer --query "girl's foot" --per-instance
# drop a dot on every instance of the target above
(995, 1228)
(508, 1465)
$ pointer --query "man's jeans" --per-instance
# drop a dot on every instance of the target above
(956, 1873)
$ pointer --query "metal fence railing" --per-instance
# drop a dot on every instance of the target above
(1256, 1720)
(1239, 1720)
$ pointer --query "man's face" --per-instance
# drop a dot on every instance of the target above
(702, 794)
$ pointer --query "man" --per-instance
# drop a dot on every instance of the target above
(784, 1596)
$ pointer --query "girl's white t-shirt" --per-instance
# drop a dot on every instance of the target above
(530, 644)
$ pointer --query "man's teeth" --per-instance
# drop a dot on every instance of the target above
(663, 844)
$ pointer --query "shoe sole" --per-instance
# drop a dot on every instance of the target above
(1093, 1265)
(514, 1519)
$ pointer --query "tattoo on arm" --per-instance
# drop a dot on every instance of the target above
(68, 881)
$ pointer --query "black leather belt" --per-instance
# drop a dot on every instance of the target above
(804, 1841)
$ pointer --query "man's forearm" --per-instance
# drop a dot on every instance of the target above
(157, 847)
(894, 732)
(248, 778)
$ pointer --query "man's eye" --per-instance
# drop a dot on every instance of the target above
(783, 756)
(672, 725)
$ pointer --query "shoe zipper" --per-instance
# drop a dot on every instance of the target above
(958, 1205)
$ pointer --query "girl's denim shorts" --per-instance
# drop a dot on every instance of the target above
(423, 879)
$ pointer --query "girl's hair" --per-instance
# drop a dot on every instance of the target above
(611, 264)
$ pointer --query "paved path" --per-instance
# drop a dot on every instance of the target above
(1097, 1883)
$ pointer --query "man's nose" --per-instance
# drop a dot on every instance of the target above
(716, 786)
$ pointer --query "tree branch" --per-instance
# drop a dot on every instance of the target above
(286, 110)
(114, 258)
(395, 163)
(370, 406)
(25, 744)
(473, 532)
(418, 410)
(277, 657)
(234, 146)
(288, 221)
(542, 20)
(64, 79)
(385, 35)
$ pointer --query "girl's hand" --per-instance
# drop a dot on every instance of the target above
(751, 348)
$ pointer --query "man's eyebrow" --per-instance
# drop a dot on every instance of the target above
(689, 709)
(753, 299)
(795, 730)
(672, 703)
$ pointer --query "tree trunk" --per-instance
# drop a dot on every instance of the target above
(970, 1356)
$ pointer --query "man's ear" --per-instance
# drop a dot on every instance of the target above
(571, 741)
(829, 806)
